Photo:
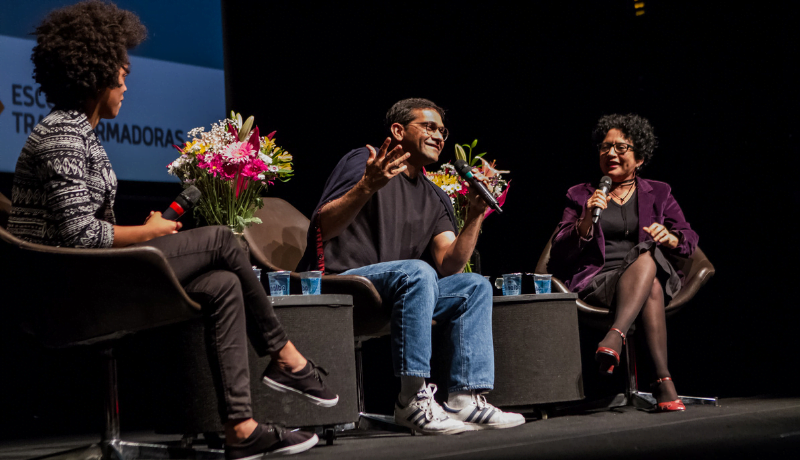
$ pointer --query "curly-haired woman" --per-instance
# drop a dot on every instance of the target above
(619, 262)
(63, 195)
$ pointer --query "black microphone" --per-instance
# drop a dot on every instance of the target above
(183, 202)
(465, 171)
(605, 186)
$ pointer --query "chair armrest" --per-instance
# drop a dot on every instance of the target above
(556, 285)
(702, 273)
(370, 318)
(358, 286)
(69, 296)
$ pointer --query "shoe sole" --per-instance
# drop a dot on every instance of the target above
(418, 430)
(287, 389)
(496, 426)
(297, 448)
(607, 362)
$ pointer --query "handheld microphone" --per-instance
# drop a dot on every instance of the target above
(465, 171)
(183, 202)
(605, 186)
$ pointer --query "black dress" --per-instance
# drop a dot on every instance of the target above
(620, 225)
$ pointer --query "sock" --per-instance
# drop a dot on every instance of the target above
(305, 370)
(409, 387)
(460, 399)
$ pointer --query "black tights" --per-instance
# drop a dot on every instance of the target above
(640, 291)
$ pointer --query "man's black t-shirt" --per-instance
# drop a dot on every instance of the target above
(397, 223)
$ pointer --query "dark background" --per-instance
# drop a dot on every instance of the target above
(718, 81)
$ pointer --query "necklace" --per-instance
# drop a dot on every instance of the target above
(623, 209)
(631, 182)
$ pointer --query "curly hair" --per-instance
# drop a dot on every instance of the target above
(403, 111)
(635, 128)
(80, 49)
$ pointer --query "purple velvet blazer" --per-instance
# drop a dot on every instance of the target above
(576, 260)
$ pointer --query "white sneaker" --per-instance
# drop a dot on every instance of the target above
(424, 415)
(480, 415)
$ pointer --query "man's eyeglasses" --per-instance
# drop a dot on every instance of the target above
(430, 128)
(619, 147)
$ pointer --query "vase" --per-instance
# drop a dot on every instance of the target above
(240, 239)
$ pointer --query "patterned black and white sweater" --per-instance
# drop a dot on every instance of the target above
(64, 187)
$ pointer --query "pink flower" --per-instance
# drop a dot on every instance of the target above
(254, 140)
(239, 152)
(211, 163)
(229, 171)
(252, 169)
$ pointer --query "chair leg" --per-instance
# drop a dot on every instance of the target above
(111, 406)
(367, 421)
(359, 376)
(644, 400)
(111, 447)
(633, 396)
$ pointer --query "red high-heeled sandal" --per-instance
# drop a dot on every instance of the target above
(608, 357)
(668, 406)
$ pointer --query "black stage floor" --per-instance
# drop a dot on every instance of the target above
(759, 427)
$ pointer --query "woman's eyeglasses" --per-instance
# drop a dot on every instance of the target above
(619, 147)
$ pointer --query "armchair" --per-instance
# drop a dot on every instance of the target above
(67, 297)
(698, 270)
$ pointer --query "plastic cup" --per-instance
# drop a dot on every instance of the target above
(511, 283)
(310, 282)
(542, 283)
(257, 272)
(278, 283)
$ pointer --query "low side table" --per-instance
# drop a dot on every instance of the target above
(320, 326)
(536, 349)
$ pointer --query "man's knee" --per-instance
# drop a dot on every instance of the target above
(420, 272)
(482, 286)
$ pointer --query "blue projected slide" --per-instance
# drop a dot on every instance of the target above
(176, 83)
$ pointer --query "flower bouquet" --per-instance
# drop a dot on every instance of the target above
(231, 166)
(448, 180)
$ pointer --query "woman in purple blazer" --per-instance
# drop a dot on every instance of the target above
(619, 262)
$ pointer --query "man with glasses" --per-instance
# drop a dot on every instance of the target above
(381, 218)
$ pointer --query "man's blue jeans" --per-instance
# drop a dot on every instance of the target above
(461, 304)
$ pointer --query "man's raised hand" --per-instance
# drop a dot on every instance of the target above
(382, 166)
(476, 203)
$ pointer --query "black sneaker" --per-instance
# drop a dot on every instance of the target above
(271, 439)
(307, 383)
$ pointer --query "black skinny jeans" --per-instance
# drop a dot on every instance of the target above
(216, 272)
